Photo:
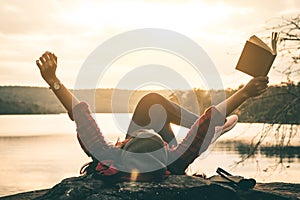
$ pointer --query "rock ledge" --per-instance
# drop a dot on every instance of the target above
(175, 187)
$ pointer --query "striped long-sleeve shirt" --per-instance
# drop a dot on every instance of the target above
(197, 139)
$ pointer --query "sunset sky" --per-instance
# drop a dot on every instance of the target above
(74, 28)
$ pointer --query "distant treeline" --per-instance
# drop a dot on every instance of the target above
(38, 100)
(280, 104)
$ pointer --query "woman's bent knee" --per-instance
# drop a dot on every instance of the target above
(152, 98)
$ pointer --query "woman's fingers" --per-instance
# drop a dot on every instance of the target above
(257, 86)
(53, 58)
(261, 81)
(38, 64)
(262, 78)
(262, 86)
(43, 61)
(261, 91)
(46, 60)
(41, 66)
(45, 57)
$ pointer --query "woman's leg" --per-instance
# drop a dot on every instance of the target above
(156, 112)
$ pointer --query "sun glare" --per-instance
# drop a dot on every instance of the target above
(183, 17)
(85, 14)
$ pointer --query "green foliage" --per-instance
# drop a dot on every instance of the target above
(28, 100)
(35, 100)
(280, 104)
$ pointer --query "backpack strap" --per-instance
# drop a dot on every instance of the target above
(89, 167)
(234, 181)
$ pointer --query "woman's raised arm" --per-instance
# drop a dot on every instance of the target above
(47, 64)
(253, 88)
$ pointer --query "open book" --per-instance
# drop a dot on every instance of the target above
(257, 57)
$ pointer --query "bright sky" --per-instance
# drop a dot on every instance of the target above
(74, 28)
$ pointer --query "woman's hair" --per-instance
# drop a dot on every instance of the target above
(145, 154)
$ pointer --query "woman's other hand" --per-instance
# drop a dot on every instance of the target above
(256, 86)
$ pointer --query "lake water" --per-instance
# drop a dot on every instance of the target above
(38, 151)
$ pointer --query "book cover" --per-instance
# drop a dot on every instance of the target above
(257, 57)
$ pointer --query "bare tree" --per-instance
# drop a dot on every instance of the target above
(280, 127)
(289, 47)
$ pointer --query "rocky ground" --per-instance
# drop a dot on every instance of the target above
(175, 187)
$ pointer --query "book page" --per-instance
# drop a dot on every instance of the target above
(254, 39)
(275, 37)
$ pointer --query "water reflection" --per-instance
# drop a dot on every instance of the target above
(287, 153)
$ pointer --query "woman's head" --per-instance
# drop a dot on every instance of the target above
(145, 154)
